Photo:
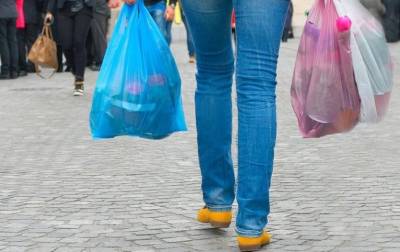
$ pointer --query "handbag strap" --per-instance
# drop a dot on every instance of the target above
(47, 31)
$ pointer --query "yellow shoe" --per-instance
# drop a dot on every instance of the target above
(253, 243)
(216, 219)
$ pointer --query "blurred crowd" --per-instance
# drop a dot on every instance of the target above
(21, 22)
(80, 29)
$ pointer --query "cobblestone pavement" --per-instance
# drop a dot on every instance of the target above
(61, 191)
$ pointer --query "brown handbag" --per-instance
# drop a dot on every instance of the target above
(44, 51)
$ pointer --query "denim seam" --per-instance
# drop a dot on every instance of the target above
(248, 233)
(219, 208)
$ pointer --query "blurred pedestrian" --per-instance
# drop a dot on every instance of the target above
(163, 15)
(27, 35)
(375, 7)
(391, 20)
(161, 12)
(97, 40)
(74, 18)
(8, 39)
(288, 30)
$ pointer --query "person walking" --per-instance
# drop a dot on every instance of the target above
(375, 7)
(8, 39)
(74, 18)
(259, 28)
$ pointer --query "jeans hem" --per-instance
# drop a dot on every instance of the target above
(219, 208)
(249, 233)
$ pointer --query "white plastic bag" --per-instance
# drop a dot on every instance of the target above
(373, 67)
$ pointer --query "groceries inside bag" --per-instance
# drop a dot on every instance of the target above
(333, 86)
(138, 91)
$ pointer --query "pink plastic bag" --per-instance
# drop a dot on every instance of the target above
(324, 94)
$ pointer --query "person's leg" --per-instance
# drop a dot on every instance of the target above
(157, 11)
(209, 22)
(32, 32)
(82, 22)
(22, 61)
(60, 59)
(99, 33)
(13, 47)
(90, 47)
(259, 31)
(168, 27)
(189, 40)
(65, 29)
(234, 35)
(285, 35)
(398, 19)
(4, 50)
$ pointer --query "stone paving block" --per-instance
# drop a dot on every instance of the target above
(14, 249)
(69, 249)
(177, 239)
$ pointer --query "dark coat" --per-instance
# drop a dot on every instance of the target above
(33, 11)
(102, 8)
(391, 20)
(8, 9)
(54, 5)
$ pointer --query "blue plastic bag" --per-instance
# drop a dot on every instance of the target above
(138, 91)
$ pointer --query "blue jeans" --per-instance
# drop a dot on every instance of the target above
(259, 27)
(157, 11)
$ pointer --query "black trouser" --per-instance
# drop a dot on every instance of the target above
(98, 34)
(72, 30)
(285, 35)
(26, 38)
(391, 20)
(8, 45)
